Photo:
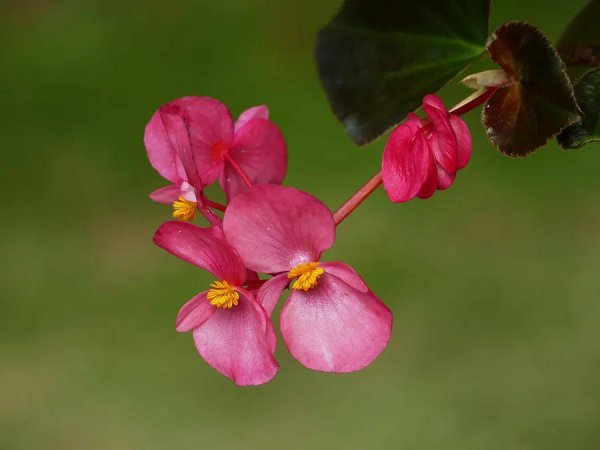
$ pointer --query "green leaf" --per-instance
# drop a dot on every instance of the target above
(539, 103)
(587, 92)
(580, 43)
(378, 58)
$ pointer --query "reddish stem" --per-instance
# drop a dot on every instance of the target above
(214, 205)
(370, 186)
(239, 170)
(205, 205)
(352, 203)
(209, 215)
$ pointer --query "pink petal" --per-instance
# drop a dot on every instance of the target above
(231, 183)
(441, 138)
(259, 149)
(269, 293)
(275, 228)
(406, 163)
(463, 140)
(239, 342)
(202, 247)
(194, 313)
(431, 179)
(211, 133)
(176, 127)
(434, 105)
(160, 152)
(414, 121)
(256, 112)
(444, 179)
(335, 327)
(345, 273)
(444, 148)
(166, 194)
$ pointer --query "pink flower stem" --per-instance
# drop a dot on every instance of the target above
(370, 186)
(239, 170)
(204, 206)
(361, 195)
(214, 205)
(209, 215)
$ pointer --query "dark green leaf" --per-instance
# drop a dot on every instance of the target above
(587, 92)
(539, 103)
(378, 58)
(580, 43)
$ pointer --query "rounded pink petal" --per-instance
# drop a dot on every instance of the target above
(431, 179)
(166, 194)
(194, 313)
(160, 152)
(211, 133)
(202, 247)
(441, 137)
(444, 178)
(259, 149)
(444, 149)
(275, 228)
(204, 113)
(256, 112)
(345, 273)
(269, 292)
(463, 140)
(406, 163)
(239, 342)
(434, 107)
(335, 327)
(414, 121)
(177, 129)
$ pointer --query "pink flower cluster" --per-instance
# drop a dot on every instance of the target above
(331, 321)
(422, 156)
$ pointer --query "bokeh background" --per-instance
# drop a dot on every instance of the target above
(494, 283)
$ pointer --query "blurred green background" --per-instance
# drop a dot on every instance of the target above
(494, 283)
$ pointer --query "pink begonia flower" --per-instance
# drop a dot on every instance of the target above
(218, 144)
(231, 330)
(331, 320)
(422, 156)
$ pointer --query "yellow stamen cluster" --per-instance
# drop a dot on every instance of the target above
(306, 275)
(184, 209)
(222, 295)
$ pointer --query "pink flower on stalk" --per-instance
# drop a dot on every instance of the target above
(422, 156)
(331, 320)
(221, 149)
(231, 330)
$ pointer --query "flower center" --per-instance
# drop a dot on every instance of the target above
(306, 275)
(184, 209)
(222, 295)
(218, 150)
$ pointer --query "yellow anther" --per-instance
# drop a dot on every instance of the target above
(184, 209)
(306, 275)
(222, 295)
